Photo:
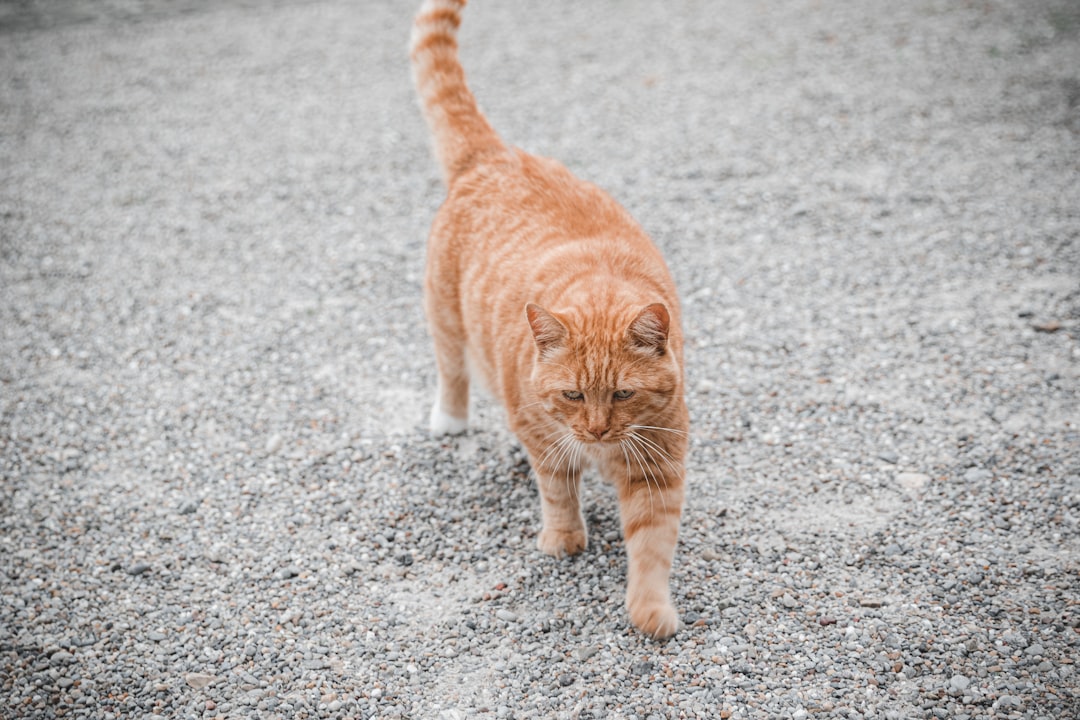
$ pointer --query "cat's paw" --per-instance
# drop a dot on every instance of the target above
(657, 619)
(444, 424)
(561, 542)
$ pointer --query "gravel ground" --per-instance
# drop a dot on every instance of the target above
(218, 498)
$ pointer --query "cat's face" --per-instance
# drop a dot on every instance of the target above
(604, 381)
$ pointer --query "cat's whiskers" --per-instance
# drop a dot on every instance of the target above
(626, 457)
(653, 466)
(662, 429)
(579, 450)
(652, 445)
(554, 432)
(566, 449)
(557, 449)
(646, 473)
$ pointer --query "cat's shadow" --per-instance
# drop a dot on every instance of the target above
(501, 478)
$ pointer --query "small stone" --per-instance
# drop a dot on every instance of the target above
(958, 684)
(189, 507)
(975, 475)
(912, 480)
(155, 636)
(826, 620)
(788, 601)
(1015, 639)
(506, 615)
(587, 652)
(1051, 326)
(405, 559)
(199, 680)
(566, 679)
(273, 444)
(892, 549)
(643, 668)
(1009, 701)
(889, 457)
(138, 568)
(1035, 650)
(60, 657)
(871, 602)
(287, 573)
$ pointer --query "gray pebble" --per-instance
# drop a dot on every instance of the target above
(61, 657)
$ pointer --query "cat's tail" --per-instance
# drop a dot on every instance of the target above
(462, 134)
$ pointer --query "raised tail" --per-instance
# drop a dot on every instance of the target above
(462, 134)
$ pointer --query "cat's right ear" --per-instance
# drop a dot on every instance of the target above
(548, 332)
(649, 331)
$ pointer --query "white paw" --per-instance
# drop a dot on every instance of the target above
(443, 424)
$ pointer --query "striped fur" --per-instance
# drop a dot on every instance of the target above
(462, 134)
(542, 288)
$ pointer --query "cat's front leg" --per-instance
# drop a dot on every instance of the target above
(563, 531)
(651, 507)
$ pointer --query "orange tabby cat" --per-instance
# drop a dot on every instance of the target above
(544, 289)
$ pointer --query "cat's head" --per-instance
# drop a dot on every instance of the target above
(602, 375)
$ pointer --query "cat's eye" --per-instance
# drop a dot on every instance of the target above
(623, 394)
(573, 395)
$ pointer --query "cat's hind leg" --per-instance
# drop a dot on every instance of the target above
(442, 420)
(450, 410)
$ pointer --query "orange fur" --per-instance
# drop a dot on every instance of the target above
(543, 288)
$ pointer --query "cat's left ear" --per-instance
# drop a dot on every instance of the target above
(649, 331)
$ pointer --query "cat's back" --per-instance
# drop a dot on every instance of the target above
(519, 191)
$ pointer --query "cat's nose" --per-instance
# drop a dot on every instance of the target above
(598, 433)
